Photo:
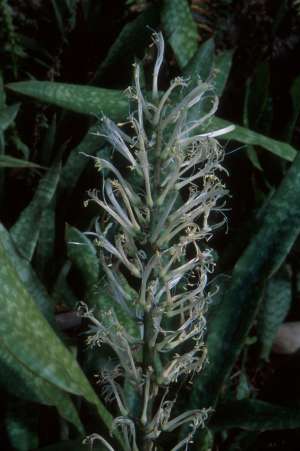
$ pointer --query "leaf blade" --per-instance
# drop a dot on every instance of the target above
(78, 98)
(180, 28)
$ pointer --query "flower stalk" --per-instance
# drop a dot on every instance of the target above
(160, 247)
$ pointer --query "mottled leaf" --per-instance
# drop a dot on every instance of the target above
(22, 429)
(77, 162)
(10, 162)
(246, 136)
(45, 246)
(201, 64)
(2, 93)
(27, 336)
(126, 46)
(62, 292)
(206, 441)
(256, 98)
(25, 231)
(8, 115)
(47, 148)
(180, 29)
(27, 275)
(276, 303)
(221, 68)
(82, 254)
(243, 389)
(295, 96)
(19, 380)
(78, 98)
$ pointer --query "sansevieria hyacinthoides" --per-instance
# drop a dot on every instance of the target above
(155, 239)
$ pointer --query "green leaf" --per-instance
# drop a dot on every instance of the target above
(58, 17)
(62, 292)
(28, 338)
(22, 429)
(246, 136)
(78, 98)
(254, 415)
(257, 94)
(27, 276)
(99, 298)
(18, 379)
(25, 231)
(47, 147)
(180, 29)
(82, 254)
(276, 304)
(76, 162)
(232, 319)
(201, 65)
(295, 96)
(2, 93)
(46, 241)
(256, 98)
(243, 389)
(10, 162)
(8, 115)
(206, 441)
(126, 46)
(221, 68)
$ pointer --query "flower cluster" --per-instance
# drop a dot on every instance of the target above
(155, 238)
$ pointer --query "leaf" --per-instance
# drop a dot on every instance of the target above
(10, 162)
(99, 298)
(27, 276)
(25, 231)
(229, 326)
(78, 98)
(254, 415)
(82, 254)
(28, 338)
(97, 295)
(8, 115)
(47, 147)
(20, 381)
(62, 292)
(180, 29)
(276, 303)
(246, 136)
(77, 162)
(221, 68)
(295, 96)
(45, 246)
(256, 98)
(126, 46)
(201, 65)
(2, 93)
(206, 442)
(243, 389)
(58, 17)
(22, 429)
(257, 94)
